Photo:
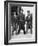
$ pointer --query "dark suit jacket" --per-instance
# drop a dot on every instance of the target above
(21, 18)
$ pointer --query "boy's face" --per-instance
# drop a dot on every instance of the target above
(14, 13)
(21, 11)
(28, 14)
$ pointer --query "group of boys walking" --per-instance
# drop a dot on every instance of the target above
(21, 21)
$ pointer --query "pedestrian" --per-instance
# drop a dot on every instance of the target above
(29, 22)
(21, 21)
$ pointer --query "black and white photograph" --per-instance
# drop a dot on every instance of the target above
(20, 22)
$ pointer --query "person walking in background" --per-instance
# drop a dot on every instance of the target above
(29, 22)
(14, 22)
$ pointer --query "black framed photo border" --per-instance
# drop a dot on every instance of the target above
(6, 13)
